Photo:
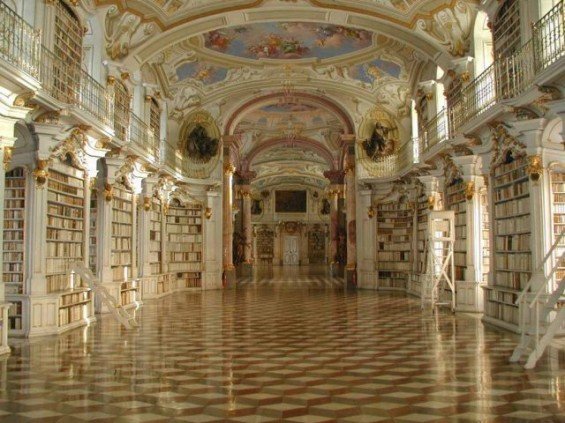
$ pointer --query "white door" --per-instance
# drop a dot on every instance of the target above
(290, 256)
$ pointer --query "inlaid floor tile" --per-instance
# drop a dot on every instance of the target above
(283, 347)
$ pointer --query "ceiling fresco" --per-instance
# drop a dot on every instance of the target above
(288, 40)
(204, 72)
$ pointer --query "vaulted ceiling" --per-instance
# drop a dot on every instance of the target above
(287, 76)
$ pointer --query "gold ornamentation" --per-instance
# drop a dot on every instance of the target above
(229, 168)
(465, 76)
(208, 213)
(431, 202)
(148, 98)
(125, 76)
(110, 80)
(108, 192)
(469, 190)
(535, 167)
(371, 212)
(146, 203)
(7, 156)
(245, 193)
(40, 173)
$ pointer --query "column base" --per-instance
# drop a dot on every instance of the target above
(229, 277)
(350, 277)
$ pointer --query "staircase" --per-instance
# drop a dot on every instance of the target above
(541, 311)
(101, 292)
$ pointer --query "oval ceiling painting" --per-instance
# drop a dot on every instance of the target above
(288, 40)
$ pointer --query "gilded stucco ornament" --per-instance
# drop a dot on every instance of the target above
(124, 31)
(452, 28)
(535, 167)
(470, 190)
(41, 173)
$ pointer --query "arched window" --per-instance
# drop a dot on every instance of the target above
(506, 29)
(121, 110)
(68, 53)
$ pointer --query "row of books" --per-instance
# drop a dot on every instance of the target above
(183, 257)
(185, 267)
(184, 220)
(512, 226)
(67, 249)
(122, 230)
(184, 238)
(391, 256)
(65, 199)
(14, 204)
(184, 247)
(64, 188)
(120, 259)
(74, 298)
(512, 208)
(73, 314)
(501, 311)
(121, 244)
(178, 229)
(62, 223)
(67, 236)
(517, 242)
(60, 210)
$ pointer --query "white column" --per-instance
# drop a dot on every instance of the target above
(212, 227)
(229, 169)
(366, 240)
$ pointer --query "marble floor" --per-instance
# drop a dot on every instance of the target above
(285, 345)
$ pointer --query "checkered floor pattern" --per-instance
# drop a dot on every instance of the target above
(273, 350)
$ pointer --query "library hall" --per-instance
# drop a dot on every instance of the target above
(302, 211)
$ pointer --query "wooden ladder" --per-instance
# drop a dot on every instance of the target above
(101, 292)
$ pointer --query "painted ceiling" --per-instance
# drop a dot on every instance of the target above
(217, 55)
(288, 40)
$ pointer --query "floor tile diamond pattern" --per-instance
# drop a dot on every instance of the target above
(288, 347)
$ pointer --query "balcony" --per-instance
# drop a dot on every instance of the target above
(505, 80)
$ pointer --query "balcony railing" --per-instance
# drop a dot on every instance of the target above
(143, 137)
(391, 165)
(20, 45)
(435, 131)
(19, 42)
(507, 78)
(549, 38)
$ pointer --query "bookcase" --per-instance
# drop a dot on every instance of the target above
(155, 245)
(92, 244)
(184, 243)
(485, 234)
(265, 245)
(394, 235)
(65, 226)
(122, 233)
(456, 201)
(316, 245)
(558, 221)
(512, 232)
(122, 243)
(13, 237)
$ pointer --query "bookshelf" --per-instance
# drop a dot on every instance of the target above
(65, 226)
(92, 240)
(155, 245)
(512, 231)
(485, 234)
(265, 245)
(394, 234)
(122, 233)
(184, 243)
(456, 201)
(13, 237)
(75, 306)
(317, 245)
(558, 221)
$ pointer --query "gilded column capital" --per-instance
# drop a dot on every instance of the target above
(229, 169)
(470, 190)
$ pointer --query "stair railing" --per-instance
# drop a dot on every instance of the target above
(525, 298)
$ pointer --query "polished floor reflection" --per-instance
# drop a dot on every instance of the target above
(283, 346)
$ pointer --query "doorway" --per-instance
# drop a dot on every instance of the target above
(290, 251)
